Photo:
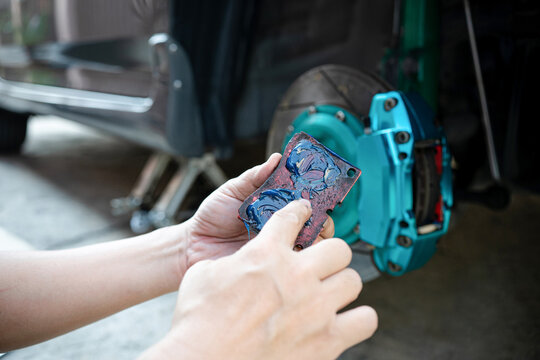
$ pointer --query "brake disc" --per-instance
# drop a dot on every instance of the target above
(336, 85)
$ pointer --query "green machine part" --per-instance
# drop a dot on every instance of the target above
(415, 54)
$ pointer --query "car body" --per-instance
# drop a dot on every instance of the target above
(180, 77)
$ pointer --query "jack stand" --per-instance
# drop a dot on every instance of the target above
(164, 211)
(144, 188)
(162, 214)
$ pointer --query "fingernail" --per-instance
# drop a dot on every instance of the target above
(305, 202)
(271, 156)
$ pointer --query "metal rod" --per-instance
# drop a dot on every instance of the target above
(492, 155)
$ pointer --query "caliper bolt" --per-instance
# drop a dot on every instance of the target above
(340, 115)
(404, 241)
(393, 267)
(390, 103)
(402, 137)
(312, 110)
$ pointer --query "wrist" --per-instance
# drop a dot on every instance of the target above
(172, 244)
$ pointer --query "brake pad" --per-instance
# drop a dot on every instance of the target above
(307, 170)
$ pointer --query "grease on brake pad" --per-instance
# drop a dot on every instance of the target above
(307, 170)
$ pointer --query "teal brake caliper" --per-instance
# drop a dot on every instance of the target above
(380, 209)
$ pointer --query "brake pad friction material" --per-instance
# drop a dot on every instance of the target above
(307, 170)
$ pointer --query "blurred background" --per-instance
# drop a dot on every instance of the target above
(120, 117)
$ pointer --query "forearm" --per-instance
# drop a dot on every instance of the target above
(47, 293)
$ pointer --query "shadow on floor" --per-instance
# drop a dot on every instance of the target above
(478, 298)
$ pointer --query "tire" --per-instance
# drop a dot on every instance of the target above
(12, 131)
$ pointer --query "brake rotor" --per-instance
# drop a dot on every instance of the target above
(337, 85)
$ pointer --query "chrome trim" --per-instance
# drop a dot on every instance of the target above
(158, 38)
(73, 97)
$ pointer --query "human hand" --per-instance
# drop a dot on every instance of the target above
(215, 230)
(269, 302)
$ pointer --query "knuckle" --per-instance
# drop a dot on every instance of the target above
(346, 250)
(303, 271)
(258, 253)
(354, 281)
(374, 319)
(287, 217)
(341, 248)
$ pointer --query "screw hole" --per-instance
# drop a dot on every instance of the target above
(351, 172)
(403, 224)
(402, 156)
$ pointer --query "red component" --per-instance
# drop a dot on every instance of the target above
(439, 210)
(438, 164)
(438, 158)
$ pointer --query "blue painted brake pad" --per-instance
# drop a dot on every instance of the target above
(307, 170)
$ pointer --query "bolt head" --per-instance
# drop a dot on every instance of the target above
(390, 103)
(404, 241)
(340, 115)
(290, 129)
(312, 110)
(402, 137)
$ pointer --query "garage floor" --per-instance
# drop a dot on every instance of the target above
(478, 298)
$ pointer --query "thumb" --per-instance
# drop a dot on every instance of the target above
(283, 227)
(243, 185)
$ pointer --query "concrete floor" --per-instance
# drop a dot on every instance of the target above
(478, 298)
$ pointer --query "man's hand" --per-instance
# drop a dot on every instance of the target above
(215, 230)
(269, 302)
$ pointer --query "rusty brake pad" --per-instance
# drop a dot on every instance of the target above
(307, 170)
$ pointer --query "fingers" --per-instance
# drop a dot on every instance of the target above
(356, 325)
(286, 223)
(342, 288)
(328, 229)
(327, 257)
(242, 186)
